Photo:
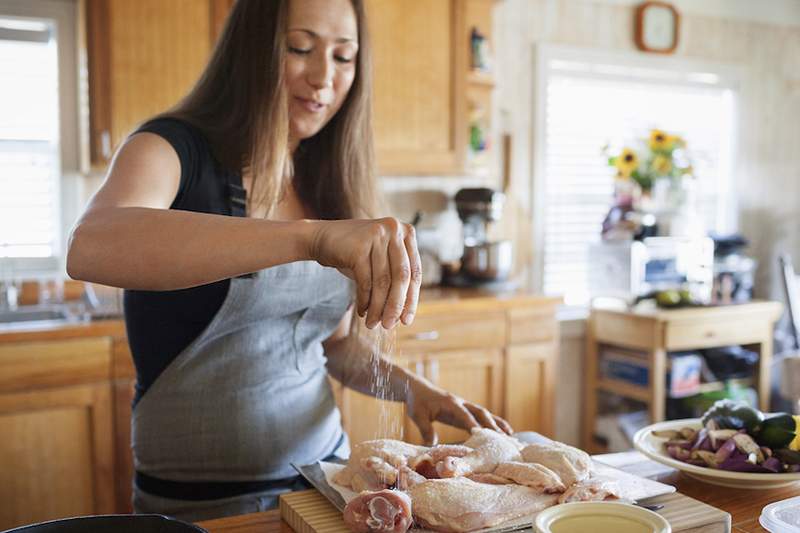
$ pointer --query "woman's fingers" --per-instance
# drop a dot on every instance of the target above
(415, 271)
(456, 414)
(362, 274)
(505, 426)
(381, 282)
(483, 416)
(401, 277)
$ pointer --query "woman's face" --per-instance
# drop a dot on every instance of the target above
(322, 42)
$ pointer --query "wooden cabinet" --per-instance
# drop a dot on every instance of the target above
(651, 333)
(502, 357)
(56, 454)
(419, 65)
(143, 56)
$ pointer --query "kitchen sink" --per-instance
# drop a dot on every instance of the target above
(36, 314)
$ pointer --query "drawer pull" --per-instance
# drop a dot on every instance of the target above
(427, 336)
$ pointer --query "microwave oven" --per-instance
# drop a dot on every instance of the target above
(629, 269)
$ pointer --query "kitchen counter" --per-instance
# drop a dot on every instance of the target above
(744, 506)
(433, 301)
(55, 330)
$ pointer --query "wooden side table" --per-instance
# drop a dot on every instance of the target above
(655, 332)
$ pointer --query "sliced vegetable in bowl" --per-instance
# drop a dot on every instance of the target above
(733, 444)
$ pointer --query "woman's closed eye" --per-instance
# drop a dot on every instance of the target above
(306, 51)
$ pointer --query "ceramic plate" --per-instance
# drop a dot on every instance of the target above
(653, 447)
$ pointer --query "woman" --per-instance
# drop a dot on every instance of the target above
(240, 223)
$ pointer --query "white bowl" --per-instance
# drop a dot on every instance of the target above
(599, 517)
(653, 447)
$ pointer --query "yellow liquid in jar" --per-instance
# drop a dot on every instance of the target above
(599, 524)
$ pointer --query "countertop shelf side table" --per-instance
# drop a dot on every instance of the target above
(656, 332)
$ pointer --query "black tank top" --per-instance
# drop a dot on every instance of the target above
(160, 324)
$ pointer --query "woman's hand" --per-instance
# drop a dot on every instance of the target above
(381, 256)
(427, 404)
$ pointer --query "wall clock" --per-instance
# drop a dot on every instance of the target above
(657, 25)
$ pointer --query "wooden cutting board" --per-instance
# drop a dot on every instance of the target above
(309, 511)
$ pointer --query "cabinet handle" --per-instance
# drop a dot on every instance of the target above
(427, 336)
(105, 144)
(435, 371)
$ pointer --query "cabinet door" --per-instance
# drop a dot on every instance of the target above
(530, 387)
(475, 375)
(365, 417)
(143, 57)
(419, 65)
(56, 454)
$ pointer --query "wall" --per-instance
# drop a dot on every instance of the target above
(768, 168)
(764, 44)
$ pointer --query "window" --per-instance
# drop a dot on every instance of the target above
(29, 147)
(43, 130)
(587, 100)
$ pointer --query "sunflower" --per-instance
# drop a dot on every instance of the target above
(662, 164)
(660, 141)
(626, 162)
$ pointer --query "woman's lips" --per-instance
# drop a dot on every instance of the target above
(310, 105)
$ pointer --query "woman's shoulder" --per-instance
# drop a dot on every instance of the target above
(177, 131)
(200, 180)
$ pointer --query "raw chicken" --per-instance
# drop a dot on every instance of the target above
(571, 464)
(531, 475)
(491, 479)
(489, 448)
(373, 464)
(592, 490)
(426, 463)
(458, 505)
(385, 511)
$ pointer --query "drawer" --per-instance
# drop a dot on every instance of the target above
(707, 334)
(27, 365)
(453, 331)
(532, 324)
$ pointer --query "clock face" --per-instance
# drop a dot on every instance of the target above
(658, 27)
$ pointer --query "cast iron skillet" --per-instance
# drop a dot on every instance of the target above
(120, 523)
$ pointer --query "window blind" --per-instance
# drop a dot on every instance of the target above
(29, 145)
(588, 106)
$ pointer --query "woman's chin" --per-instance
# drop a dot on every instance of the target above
(304, 131)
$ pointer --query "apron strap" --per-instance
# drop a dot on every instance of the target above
(237, 201)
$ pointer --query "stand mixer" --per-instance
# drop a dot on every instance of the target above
(483, 261)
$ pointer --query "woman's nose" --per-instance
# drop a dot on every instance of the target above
(320, 74)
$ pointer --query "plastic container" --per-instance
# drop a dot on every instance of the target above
(782, 516)
(599, 517)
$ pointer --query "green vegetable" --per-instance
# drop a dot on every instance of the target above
(778, 431)
(668, 298)
(729, 414)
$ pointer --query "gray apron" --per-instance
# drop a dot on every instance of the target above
(249, 395)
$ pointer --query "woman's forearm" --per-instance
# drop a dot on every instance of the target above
(159, 249)
(354, 363)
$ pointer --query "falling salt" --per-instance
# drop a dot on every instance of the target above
(389, 423)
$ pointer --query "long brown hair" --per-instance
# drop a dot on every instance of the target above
(240, 104)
